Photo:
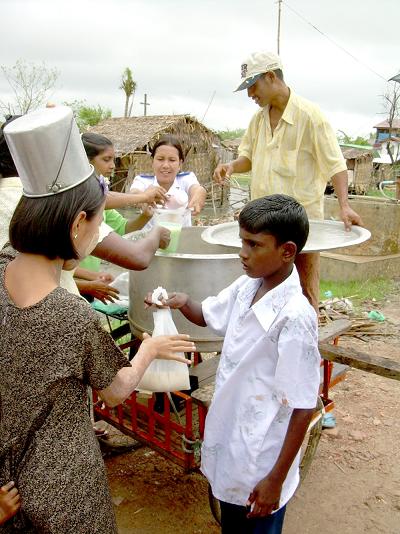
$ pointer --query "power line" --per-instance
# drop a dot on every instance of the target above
(208, 107)
(332, 41)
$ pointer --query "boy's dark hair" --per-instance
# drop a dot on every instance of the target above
(168, 140)
(7, 165)
(43, 225)
(278, 215)
(95, 144)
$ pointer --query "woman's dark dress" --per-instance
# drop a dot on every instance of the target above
(49, 353)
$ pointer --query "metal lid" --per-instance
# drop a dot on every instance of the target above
(47, 151)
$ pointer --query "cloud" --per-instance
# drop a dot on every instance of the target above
(182, 52)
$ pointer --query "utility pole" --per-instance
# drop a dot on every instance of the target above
(145, 104)
(279, 24)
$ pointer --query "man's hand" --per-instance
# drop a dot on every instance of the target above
(264, 497)
(349, 217)
(222, 172)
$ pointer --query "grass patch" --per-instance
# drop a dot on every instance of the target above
(358, 291)
(242, 179)
(389, 192)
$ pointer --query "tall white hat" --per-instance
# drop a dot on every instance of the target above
(47, 151)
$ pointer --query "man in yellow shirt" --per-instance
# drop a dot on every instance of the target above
(290, 148)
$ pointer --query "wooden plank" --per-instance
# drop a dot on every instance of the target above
(359, 360)
(204, 394)
(332, 330)
(205, 369)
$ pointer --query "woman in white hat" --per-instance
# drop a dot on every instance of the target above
(52, 343)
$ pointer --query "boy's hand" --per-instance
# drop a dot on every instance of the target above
(174, 301)
(264, 497)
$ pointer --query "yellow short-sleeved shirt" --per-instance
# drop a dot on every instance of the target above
(298, 159)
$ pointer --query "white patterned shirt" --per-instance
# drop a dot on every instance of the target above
(269, 366)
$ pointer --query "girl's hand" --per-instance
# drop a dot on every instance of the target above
(107, 278)
(99, 290)
(10, 502)
(164, 236)
(168, 347)
(148, 210)
(155, 194)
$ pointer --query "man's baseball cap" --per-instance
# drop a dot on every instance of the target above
(255, 66)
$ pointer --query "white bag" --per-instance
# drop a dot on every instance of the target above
(165, 375)
(122, 284)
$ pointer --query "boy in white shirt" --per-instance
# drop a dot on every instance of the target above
(268, 377)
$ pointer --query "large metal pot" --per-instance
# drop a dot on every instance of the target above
(197, 268)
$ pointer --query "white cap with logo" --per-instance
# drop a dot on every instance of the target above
(255, 66)
(48, 151)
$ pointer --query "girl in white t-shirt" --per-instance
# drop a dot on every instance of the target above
(183, 188)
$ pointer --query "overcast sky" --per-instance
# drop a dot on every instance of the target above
(186, 54)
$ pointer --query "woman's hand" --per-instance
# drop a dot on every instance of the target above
(195, 206)
(168, 347)
(197, 198)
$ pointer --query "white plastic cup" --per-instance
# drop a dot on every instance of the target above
(173, 220)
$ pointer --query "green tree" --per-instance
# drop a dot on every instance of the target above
(230, 134)
(31, 85)
(128, 85)
(346, 139)
(85, 115)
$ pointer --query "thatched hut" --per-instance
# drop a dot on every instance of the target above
(133, 136)
(359, 167)
(232, 145)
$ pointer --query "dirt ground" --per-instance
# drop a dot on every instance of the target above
(352, 486)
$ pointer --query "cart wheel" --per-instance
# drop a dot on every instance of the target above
(214, 506)
(311, 440)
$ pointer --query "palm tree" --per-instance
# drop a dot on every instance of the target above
(128, 85)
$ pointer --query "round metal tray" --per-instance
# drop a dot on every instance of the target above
(324, 235)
